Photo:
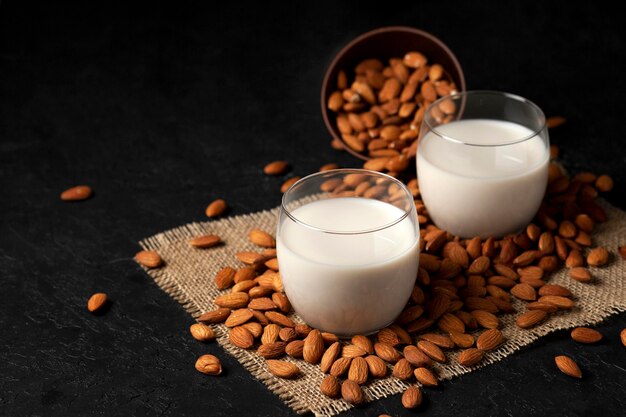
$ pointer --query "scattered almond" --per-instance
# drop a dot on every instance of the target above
(282, 369)
(586, 335)
(568, 366)
(276, 168)
(216, 208)
(352, 393)
(78, 193)
(201, 332)
(412, 397)
(149, 259)
(209, 365)
(96, 302)
(205, 241)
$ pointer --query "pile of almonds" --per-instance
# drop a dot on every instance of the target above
(380, 112)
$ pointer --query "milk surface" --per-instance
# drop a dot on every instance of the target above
(348, 283)
(482, 190)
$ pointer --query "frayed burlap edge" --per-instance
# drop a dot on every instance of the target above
(188, 277)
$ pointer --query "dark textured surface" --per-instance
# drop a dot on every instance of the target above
(163, 109)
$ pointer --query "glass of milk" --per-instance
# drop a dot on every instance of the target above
(482, 163)
(348, 249)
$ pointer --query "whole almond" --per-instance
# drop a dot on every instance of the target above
(402, 369)
(458, 255)
(245, 286)
(622, 336)
(403, 336)
(96, 302)
(479, 265)
(604, 183)
(335, 101)
(260, 318)
(330, 386)
(387, 336)
(148, 258)
(486, 319)
(262, 303)
(526, 258)
(238, 317)
(546, 243)
(425, 376)
(351, 392)
(205, 241)
(77, 193)
(261, 238)
(412, 397)
(241, 337)
(506, 271)
(295, 348)
(276, 168)
(555, 121)
(386, 352)
(253, 327)
(438, 306)
(562, 303)
(524, 292)
(489, 339)
(358, 371)
(449, 322)
(216, 208)
(538, 305)
(313, 347)
(246, 273)
(432, 350)
(416, 357)
(281, 301)
(272, 350)
(287, 334)
(353, 351)
(376, 366)
(330, 356)
(340, 366)
(568, 366)
(470, 357)
(479, 303)
(271, 333)
(302, 329)
(233, 300)
(278, 318)
(462, 340)
(438, 339)
(282, 369)
(201, 332)
(258, 292)
(586, 335)
(225, 277)
(554, 289)
(580, 274)
(531, 318)
(209, 365)
(598, 256)
(215, 316)
(364, 343)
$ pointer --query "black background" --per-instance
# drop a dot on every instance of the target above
(163, 108)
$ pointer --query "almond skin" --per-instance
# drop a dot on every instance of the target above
(209, 365)
(402, 369)
(352, 392)
(432, 350)
(412, 397)
(233, 300)
(568, 366)
(206, 241)
(224, 277)
(376, 366)
(340, 366)
(425, 376)
(330, 356)
(282, 369)
(586, 335)
(524, 292)
(261, 238)
(278, 318)
(78, 193)
(148, 258)
(272, 350)
(238, 317)
(295, 348)
(598, 257)
(276, 168)
(580, 274)
(96, 302)
(531, 318)
(364, 343)
(416, 357)
(358, 371)
(215, 316)
(470, 357)
(241, 337)
(216, 208)
(313, 347)
(489, 339)
(330, 387)
(201, 332)
(386, 352)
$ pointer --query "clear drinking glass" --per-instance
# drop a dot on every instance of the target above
(348, 249)
(482, 162)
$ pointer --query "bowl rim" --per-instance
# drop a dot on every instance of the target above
(361, 37)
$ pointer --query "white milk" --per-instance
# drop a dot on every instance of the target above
(348, 283)
(482, 190)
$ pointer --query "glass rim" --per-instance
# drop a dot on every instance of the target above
(309, 177)
(512, 96)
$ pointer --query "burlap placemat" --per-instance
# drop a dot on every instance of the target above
(188, 277)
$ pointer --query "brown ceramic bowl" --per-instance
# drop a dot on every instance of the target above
(385, 43)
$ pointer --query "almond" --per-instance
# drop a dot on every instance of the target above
(278, 318)
(250, 258)
(604, 183)
(449, 322)
(438, 339)
(351, 392)
(568, 366)
(432, 350)
(352, 351)
(216, 208)
(470, 357)
(489, 339)
(538, 305)
(225, 277)
(335, 101)
(233, 300)
(205, 241)
(462, 340)
(567, 229)
(276, 168)
(458, 255)
(148, 258)
(253, 327)
(387, 336)
(287, 334)
(506, 271)
(425, 376)
(282, 369)
(414, 59)
(96, 302)
(215, 316)
(330, 386)
(271, 333)
(486, 319)
(272, 350)
(586, 335)
(403, 335)
(295, 348)
(479, 303)
(77, 193)
(554, 121)
(302, 329)
(241, 337)
(246, 273)
(377, 367)
(340, 366)
(261, 238)
(546, 243)
(329, 357)
(260, 318)
(328, 167)
(281, 301)
(238, 317)
(524, 292)
(258, 292)
(438, 306)
(598, 256)
(363, 342)
(313, 347)
(209, 365)
(262, 304)
(554, 289)
(622, 251)
(358, 371)
(402, 369)
(531, 318)
(416, 357)
(244, 286)
(201, 332)
(412, 397)
(386, 352)
(622, 336)
(562, 303)
(526, 258)
(479, 265)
